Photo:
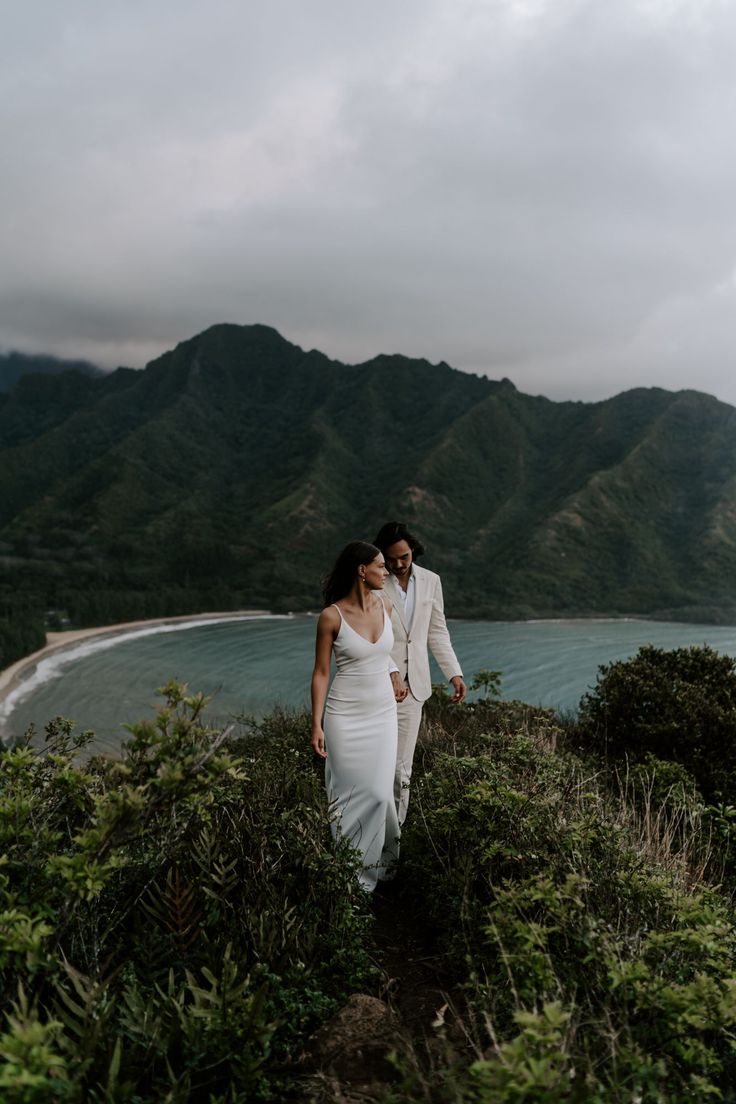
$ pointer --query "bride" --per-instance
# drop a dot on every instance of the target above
(358, 738)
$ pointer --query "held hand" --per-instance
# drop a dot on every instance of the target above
(318, 742)
(400, 688)
(460, 688)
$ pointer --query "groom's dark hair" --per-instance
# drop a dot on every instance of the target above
(394, 531)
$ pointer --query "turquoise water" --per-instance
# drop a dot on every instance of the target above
(251, 665)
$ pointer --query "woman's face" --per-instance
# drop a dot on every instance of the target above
(376, 572)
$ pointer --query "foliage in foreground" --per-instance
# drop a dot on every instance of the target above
(586, 964)
(172, 924)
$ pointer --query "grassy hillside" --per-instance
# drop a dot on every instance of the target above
(177, 924)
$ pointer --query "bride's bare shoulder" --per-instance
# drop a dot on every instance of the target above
(329, 618)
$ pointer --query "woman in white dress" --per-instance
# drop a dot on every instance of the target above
(358, 736)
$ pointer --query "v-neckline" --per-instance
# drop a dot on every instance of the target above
(372, 643)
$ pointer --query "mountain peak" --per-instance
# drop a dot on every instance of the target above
(252, 333)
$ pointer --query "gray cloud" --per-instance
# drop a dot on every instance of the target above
(536, 188)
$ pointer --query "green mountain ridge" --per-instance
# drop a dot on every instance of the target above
(14, 366)
(230, 471)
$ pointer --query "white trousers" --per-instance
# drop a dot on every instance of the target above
(410, 717)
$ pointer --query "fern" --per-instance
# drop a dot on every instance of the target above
(174, 909)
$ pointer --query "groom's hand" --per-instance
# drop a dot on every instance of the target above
(400, 688)
(460, 688)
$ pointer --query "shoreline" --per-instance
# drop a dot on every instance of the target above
(13, 676)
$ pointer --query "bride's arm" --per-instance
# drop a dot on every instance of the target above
(400, 689)
(327, 627)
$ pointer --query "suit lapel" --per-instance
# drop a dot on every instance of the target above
(420, 585)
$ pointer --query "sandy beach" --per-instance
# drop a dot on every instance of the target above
(11, 677)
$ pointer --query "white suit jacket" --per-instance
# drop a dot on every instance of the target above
(428, 629)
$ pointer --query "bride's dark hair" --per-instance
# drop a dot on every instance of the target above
(339, 581)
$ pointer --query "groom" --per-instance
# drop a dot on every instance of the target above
(418, 621)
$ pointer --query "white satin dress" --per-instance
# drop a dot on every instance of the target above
(360, 737)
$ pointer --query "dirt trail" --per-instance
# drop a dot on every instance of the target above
(416, 985)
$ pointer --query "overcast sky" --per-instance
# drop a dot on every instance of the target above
(538, 189)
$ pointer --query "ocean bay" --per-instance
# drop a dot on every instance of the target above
(254, 664)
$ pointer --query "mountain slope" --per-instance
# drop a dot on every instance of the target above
(231, 470)
(13, 366)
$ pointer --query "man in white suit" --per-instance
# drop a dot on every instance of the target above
(418, 623)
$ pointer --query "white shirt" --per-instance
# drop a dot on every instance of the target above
(407, 598)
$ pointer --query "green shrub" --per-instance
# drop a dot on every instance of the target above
(589, 972)
(175, 923)
(678, 705)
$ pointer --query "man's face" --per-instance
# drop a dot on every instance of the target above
(398, 559)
